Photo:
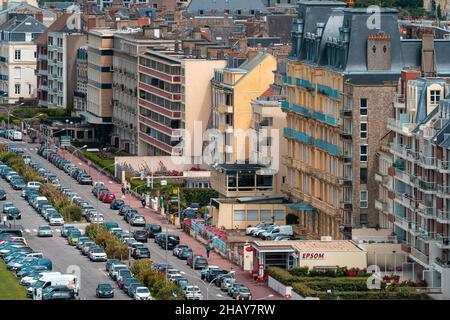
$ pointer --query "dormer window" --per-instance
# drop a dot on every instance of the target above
(435, 96)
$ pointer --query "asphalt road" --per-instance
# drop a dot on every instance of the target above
(63, 255)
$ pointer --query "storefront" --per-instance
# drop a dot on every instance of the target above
(307, 253)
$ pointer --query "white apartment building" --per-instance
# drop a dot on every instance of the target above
(18, 58)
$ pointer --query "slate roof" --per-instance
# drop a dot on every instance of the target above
(28, 25)
(324, 26)
(221, 5)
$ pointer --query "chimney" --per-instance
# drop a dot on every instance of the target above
(428, 55)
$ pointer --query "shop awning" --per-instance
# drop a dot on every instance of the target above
(301, 206)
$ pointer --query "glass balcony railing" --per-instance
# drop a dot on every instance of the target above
(443, 191)
(426, 186)
(443, 166)
(400, 126)
(443, 241)
(443, 216)
(427, 161)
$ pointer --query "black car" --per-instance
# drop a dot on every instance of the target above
(104, 290)
(2, 194)
(124, 209)
(141, 253)
(166, 241)
(152, 230)
(140, 235)
(13, 213)
(116, 204)
(214, 273)
(58, 293)
(18, 184)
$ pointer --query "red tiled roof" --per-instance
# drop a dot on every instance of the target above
(59, 24)
(267, 93)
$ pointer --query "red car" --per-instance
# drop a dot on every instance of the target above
(190, 260)
(102, 194)
(108, 197)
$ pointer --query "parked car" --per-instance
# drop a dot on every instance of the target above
(192, 293)
(142, 293)
(44, 231)
(167, 241)
(55, 219)
(116, 204)
(276, 231)
(152, 230)
(137, 220)
(141, 253)
(185, 253)
(65, 230)
(2, 194)
(104, 290)
(177, 249)
(197, 261)
(140, 235)
(241, 293)
(109, 197)
(13, 213)
(97, 254)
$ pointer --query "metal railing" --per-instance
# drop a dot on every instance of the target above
(443, 191)
(402, 127)
(443, 216)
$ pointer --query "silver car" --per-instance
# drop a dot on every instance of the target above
(44, 231)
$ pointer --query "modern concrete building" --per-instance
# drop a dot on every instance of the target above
(99, 110)
(80, 92)
(18, 58)
(127, 48)
(340, 82)
(174, 94)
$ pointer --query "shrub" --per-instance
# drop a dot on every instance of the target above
(201, 196)
(299, 272)
(114, 248)
(72, 212)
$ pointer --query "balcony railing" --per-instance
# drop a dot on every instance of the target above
(301, 110)
(404, 128)
(419, 255)
(441, 263)
(443, 191)
(443, 241)
(427, 212)
(443, 166)
(443, 216)
(427, 162)
(403, 151)
(425, 186)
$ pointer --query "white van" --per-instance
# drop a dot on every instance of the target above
(29, 280)
(34, 185)
(277, 231)
(17, 136)
(69, 280)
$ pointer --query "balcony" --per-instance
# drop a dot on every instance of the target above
(427, 187)
(402, 222)
(426, 236)
(399, 101)
(443, 191)
(346, 132)
(381, 205)
(426, 212)
(427, 162)
(419, 257)
(402, 151)
(43, 87)
(404, 128)
(42, 72)
(442, 241)
(443, 216)
(287, 80)
(345, 181)
(3, 59)
(405, 199)
(402, 176)
(42, 56)
(443, 166)
(334, 94)
(347, 157)
(346, 112)
(285, 106)
(301, 110)
(303, 83)
(328, 147)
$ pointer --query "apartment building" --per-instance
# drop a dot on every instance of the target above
(417, 206)
(61, 63)
(174, 94)
(80, 92)
(127, 48)
(233, 89)
(340, 82)
(99, 109)
(18, 58)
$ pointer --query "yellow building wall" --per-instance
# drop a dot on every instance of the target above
(255, 82)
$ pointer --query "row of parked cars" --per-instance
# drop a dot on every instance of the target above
(11, 134)
(35, 271)
(72, 170)
(271, 231)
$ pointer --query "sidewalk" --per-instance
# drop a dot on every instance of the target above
(152, 216)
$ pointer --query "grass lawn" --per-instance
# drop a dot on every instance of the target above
(10, 288)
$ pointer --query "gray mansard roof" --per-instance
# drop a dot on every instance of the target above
(205, 7)
(328, 34)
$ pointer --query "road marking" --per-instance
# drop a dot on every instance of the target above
(35, 230)
(57, 230)
(27, 230)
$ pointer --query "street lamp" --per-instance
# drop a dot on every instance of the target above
(218, 277)
(11, 109)
(67, 126)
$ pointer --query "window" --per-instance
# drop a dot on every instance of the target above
(363, 110)
(239, 215)
(266, 215)
(363, 130)
(278, 215)
(364, 199)
(17, 54)
(363, 175)
(17, 88)
(363, 153)
(17, 72)
(435, 96)
(364, 218)
(252, 215)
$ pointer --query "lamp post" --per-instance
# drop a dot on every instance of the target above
(218, 277)
(67, 126)
(11, 108)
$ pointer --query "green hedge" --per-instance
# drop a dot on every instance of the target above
(114, 248)
(155, 281)
(201, 196)
(100, 162)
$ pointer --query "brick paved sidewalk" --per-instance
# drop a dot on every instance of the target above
(152, 216)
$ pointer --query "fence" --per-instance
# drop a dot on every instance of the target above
(200, 229)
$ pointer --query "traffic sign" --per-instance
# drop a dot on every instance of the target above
(65, 141)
